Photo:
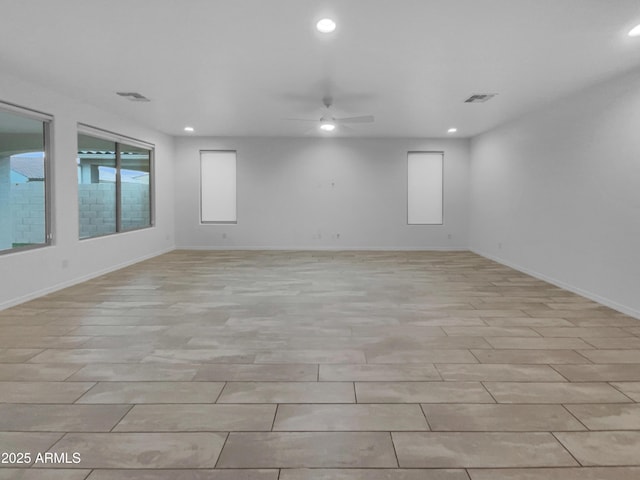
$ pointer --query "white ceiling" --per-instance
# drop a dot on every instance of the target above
(239, 67)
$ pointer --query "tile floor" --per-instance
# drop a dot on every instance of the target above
(320, 366)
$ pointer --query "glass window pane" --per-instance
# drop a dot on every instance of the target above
(135, 171)
(218, 187)
(96, 186)
(425, 188)
(22, 181)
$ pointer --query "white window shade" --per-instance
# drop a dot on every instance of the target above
(425, 188)
(218, 187)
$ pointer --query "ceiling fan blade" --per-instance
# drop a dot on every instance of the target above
(301, 120)
(360, 119)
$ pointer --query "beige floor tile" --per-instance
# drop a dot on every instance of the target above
(372, 474)
(374, 417)
(491, 331)
(527, 322)
(196, 356)
(603, 448)
(140, 342)
(118, 330)
(619, 321)
(37, 330)
(311, 356)
(392, 343)
(444, 321)
(419, 356)
(590, 473)
(422, 392)
(600, 373)
(143, 450)
(543, 393)
(630, 389)
(608, 416)
(616, 342)
(257, 373)
(60, 418)
(42, 392)
(612, 356)
(545, 343)
(184, 475)
(153, 392)
(41, 342)
(529, 357)
(499, 373)
(582, 332)
(17, 355)
(500, 418)
(37, 373)
(198, 418)
(160, 335)
(287, 392)
(385, 331)
(27, 442)
(479, 450)
(381, 373)
(42, 474)
(89, 355)
(135, 372)
(308, 449)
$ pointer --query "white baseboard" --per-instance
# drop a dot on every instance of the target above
(607, 302)
(69, 283)
(316, 249)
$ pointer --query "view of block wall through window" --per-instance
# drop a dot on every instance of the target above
(218, 187)
(24, 183)
(114, 186)
(425, 188)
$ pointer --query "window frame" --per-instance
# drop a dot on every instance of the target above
(91, 131)
(47, 127)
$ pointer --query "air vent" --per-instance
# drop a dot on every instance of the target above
(134, 96)
(480, 97)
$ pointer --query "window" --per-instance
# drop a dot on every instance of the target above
(425, 188)
(24, 181)
(114, 184)
(218, 187)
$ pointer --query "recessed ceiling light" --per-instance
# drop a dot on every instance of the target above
(452, 130)
(188, 129)
(635, 31)
(328, 127)
(326, 25)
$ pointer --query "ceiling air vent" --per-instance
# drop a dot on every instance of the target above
(480, 97)
(133, 96)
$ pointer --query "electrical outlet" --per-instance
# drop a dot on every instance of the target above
(499, 245)
(224, 235)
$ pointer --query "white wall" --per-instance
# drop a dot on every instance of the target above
(28, 274)
(557, 193)
(301, 193)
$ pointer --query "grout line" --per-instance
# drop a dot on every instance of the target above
(425, 417)
(220, 394)
(275, 414)
(224, 444)
(395, 453)
(122, 417)
(566, 449)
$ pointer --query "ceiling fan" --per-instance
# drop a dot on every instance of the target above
(328, 121)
